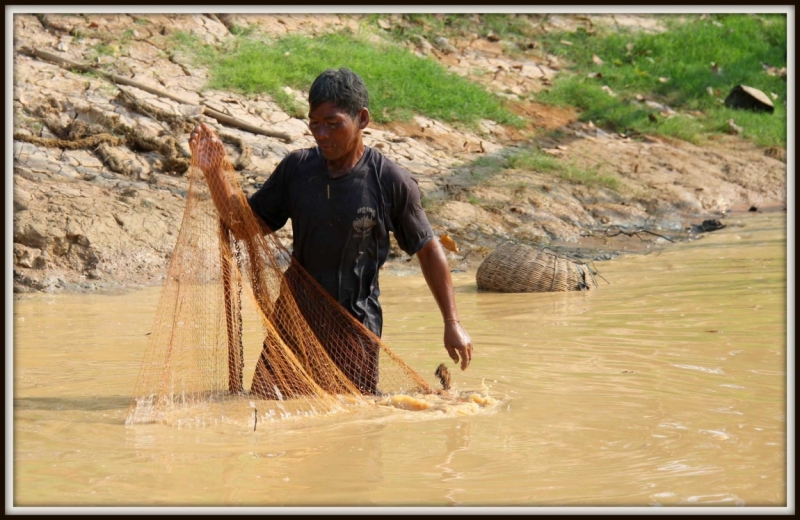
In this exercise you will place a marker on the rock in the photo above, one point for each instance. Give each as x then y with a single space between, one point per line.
733 128
749 98
23 256
21 198
41 262
706 226
657 106
444 45
774 71
33 234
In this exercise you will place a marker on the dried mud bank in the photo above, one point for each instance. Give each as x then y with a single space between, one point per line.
99 181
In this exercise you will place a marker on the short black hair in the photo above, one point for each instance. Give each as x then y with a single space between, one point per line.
342 87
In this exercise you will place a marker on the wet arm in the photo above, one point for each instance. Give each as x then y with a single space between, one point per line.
434 266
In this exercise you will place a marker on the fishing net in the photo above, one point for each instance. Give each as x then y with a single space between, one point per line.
516 267
307 356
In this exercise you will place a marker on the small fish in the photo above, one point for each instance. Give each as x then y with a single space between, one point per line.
448 243
444 376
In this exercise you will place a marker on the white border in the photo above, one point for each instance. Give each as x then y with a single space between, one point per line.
789 10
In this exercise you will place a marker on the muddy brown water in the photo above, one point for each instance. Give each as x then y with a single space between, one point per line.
666 386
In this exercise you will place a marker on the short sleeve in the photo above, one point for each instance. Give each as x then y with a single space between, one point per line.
409 221
270 201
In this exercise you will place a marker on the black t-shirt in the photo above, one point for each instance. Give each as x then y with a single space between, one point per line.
341 225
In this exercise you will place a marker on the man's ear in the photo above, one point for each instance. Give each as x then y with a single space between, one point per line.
363 118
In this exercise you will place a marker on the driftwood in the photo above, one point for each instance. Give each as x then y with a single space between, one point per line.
219 116
614 231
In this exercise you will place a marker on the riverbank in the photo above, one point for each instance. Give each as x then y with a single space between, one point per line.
105 214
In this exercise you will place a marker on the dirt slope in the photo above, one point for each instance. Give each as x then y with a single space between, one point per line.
98 176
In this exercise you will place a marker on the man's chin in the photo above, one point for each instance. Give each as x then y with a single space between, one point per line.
330 154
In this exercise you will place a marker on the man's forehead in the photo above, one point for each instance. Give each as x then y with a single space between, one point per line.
328 111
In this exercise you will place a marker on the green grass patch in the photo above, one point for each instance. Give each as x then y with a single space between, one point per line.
238 30
105 49
516 30
635 63
533 160
200 52
400 83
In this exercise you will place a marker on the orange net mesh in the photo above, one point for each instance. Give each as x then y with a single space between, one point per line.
307 354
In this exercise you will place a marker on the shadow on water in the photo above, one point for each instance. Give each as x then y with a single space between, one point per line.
89 403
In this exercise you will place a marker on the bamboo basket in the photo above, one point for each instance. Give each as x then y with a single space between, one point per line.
520 268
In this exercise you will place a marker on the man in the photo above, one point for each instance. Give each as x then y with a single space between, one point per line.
343 199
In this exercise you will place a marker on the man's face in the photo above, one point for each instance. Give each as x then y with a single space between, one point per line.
336 132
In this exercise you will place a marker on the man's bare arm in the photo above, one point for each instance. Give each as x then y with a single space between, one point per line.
434 266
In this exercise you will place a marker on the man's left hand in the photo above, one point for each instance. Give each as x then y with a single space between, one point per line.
458 343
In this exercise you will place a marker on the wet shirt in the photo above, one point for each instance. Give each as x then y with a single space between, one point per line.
341 225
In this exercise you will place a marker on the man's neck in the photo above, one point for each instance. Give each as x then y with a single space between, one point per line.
343 165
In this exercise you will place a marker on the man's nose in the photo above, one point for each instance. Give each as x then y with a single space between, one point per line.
320 132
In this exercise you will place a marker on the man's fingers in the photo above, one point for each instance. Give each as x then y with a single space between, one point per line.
201 131
466 357
453 353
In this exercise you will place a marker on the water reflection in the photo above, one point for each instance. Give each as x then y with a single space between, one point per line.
458 440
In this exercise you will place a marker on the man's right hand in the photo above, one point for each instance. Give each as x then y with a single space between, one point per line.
208 152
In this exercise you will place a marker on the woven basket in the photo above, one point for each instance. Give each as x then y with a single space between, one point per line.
520 268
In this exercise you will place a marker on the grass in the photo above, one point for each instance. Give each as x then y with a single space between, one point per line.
532 160
400 83
515 30
634 63
105 49
110 44
238 30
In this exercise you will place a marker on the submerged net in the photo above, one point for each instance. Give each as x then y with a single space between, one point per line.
308 355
